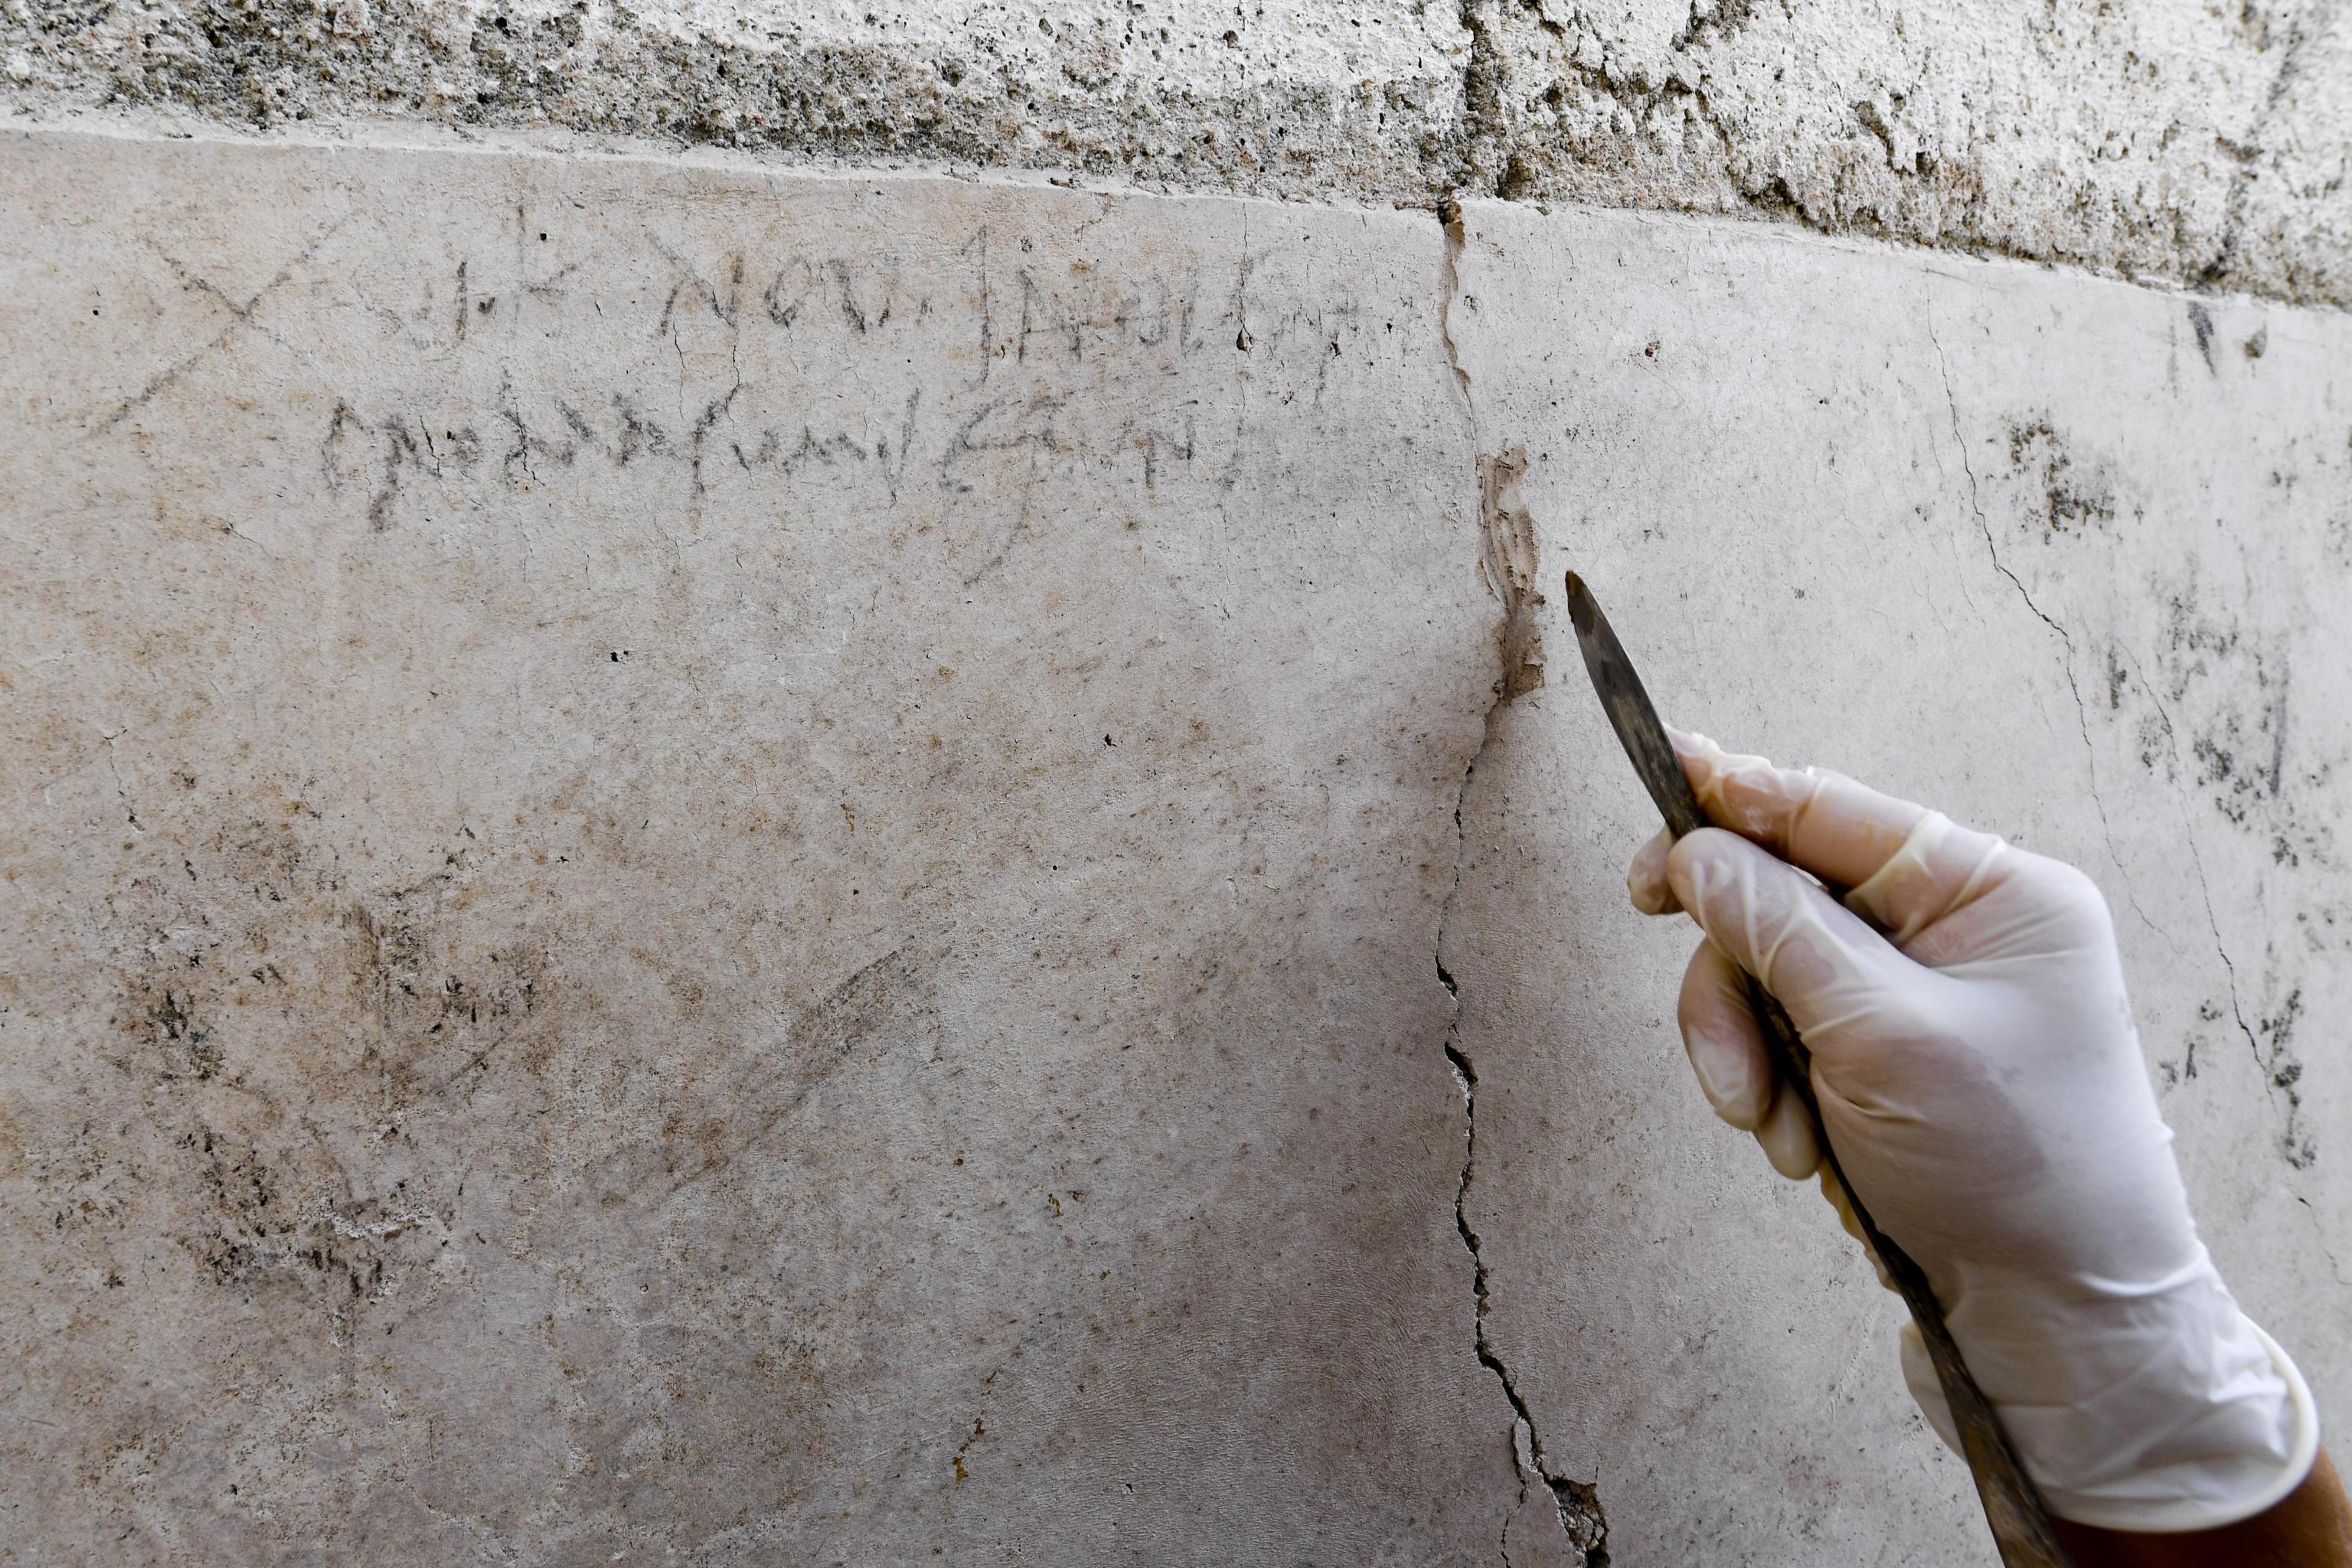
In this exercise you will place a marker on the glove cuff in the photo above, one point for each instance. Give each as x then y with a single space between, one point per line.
2239 1435
2203 1491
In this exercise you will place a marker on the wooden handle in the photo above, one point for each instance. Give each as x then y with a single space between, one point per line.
2020 1525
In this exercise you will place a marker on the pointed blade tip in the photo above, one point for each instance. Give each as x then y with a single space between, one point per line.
1581 609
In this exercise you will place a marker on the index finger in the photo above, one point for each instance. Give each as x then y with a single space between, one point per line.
1899 863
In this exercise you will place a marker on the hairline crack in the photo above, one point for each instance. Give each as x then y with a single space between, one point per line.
1576 1503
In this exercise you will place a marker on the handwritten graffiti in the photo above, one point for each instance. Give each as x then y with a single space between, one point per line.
987 367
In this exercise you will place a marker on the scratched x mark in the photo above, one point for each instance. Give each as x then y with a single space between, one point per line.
240 318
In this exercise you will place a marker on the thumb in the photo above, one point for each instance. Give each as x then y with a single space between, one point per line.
1825 965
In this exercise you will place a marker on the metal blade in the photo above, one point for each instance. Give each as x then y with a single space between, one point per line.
1631 714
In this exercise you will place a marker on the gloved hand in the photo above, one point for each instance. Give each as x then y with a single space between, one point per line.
1979 1077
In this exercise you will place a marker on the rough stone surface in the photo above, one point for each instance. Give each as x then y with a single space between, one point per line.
799 868
2182 140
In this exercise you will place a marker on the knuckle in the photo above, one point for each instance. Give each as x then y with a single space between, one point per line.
2067 888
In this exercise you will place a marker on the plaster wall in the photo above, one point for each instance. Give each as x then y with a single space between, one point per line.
733 866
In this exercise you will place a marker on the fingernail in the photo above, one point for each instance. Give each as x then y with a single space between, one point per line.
1690 743
1645 879
1787 1138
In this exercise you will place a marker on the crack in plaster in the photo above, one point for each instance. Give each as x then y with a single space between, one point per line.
1992 552
2271 1088
1508 564
1450 223
1577 1503
2319 1237
2265 1070
131 811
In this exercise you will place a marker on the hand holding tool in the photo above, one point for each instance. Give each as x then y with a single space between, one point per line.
1895 1001
2021 1526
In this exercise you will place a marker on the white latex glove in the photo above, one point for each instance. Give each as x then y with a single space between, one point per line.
1980 1079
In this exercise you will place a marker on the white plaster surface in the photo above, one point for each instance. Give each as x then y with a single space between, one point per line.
757 879
764 879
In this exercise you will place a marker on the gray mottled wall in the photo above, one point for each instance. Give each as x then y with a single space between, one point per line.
710 860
